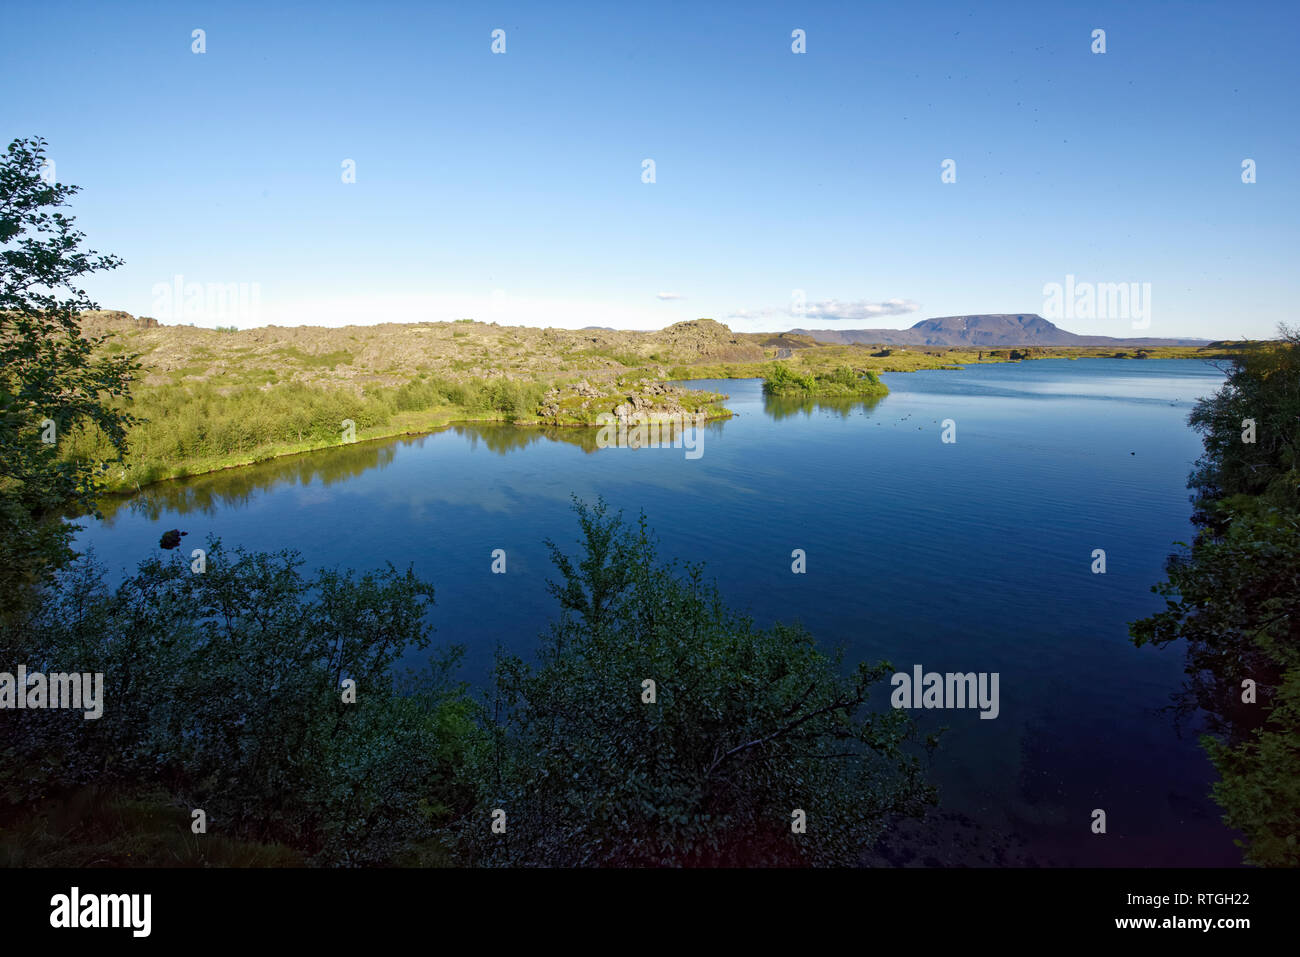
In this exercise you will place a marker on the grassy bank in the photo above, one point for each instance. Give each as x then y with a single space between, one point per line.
210 399
193 428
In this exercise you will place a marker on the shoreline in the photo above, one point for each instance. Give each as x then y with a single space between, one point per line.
406 430
385 436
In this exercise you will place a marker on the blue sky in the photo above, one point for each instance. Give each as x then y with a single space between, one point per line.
508 187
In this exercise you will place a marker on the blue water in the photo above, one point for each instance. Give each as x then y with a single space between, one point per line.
969 556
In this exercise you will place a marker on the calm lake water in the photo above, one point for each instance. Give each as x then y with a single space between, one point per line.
970 556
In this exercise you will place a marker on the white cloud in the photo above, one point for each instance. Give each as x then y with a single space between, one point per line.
852 311
831 310
669 295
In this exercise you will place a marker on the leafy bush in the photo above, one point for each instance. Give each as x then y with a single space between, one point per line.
1233 597
781 380
223 689
749 725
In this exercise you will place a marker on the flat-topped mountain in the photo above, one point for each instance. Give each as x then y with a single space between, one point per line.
991 331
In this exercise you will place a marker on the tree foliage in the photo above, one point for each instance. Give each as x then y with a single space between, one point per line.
224 690
49 373
748 725
1233 597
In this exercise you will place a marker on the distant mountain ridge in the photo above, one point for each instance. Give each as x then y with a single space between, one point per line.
993 331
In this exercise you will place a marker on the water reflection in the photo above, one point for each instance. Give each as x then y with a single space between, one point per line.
504 439
232 488
206 494
780 407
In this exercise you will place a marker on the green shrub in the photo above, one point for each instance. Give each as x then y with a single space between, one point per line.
1233 598
748 725
781 380
223 690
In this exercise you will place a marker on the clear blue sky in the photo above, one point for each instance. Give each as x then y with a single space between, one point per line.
509 187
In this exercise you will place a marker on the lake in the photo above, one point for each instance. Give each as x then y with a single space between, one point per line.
973 555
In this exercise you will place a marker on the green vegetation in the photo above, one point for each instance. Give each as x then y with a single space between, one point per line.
222 689
53 380
193 427
476 373
226 691
629 360
190 426
1233 597
328 360
842 381
746 725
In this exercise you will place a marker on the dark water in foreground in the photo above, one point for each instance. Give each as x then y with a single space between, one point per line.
973 556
